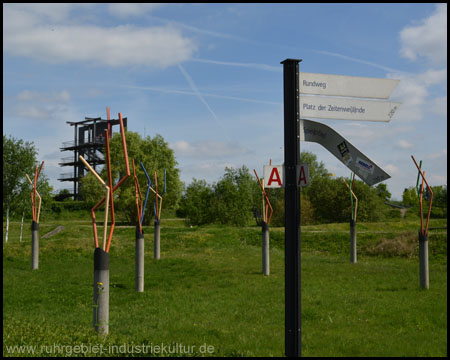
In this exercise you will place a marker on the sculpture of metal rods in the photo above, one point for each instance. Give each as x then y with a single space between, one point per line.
265 226
111 188
353 251
423 233
139 258
35 223
101 255
156 208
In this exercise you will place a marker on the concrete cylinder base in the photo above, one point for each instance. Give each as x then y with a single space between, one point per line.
101 291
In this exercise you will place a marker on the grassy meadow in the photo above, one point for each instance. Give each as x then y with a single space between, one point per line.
207 296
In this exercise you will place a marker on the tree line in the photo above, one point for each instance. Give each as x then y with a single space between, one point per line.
235 199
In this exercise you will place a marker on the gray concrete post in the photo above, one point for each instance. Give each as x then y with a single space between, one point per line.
101 291
34 245
265 249
423 261
139 261
353 252
157 239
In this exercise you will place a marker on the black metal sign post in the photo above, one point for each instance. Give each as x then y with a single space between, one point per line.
292 208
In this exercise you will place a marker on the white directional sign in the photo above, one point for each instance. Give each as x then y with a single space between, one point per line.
274 175
340 85
340 93
349 155
346 108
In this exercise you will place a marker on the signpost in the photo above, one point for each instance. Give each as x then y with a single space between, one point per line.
292 272
296 130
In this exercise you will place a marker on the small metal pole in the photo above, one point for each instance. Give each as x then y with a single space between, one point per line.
157 239
34 245
353 253
101 291
139 260
423 261
265 249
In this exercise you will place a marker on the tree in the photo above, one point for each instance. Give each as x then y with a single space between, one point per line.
156 155
330 199
316 169
383 192
195 203
19 158
235 197
409 197
231 200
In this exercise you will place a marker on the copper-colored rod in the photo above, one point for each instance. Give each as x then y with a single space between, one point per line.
421 205
259 181
111 198
40 168
265 195
127 166
39 196
105 226
94 225
431 198
34 193
108 126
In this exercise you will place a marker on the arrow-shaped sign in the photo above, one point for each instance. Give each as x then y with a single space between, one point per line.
349 155
341 85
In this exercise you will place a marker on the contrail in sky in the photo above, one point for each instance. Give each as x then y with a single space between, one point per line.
200 96
247 65
184 92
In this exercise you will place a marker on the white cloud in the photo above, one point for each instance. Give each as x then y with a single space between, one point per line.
32 32
439 106
132 9
32 112
42 105
391 169
27 95
413 92
428 39
403 144
441 155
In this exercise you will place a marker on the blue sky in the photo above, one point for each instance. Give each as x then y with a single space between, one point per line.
208 78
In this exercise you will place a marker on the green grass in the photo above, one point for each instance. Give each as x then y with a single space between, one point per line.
208 290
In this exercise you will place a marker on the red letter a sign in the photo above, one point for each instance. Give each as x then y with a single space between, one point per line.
302 175
273 176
